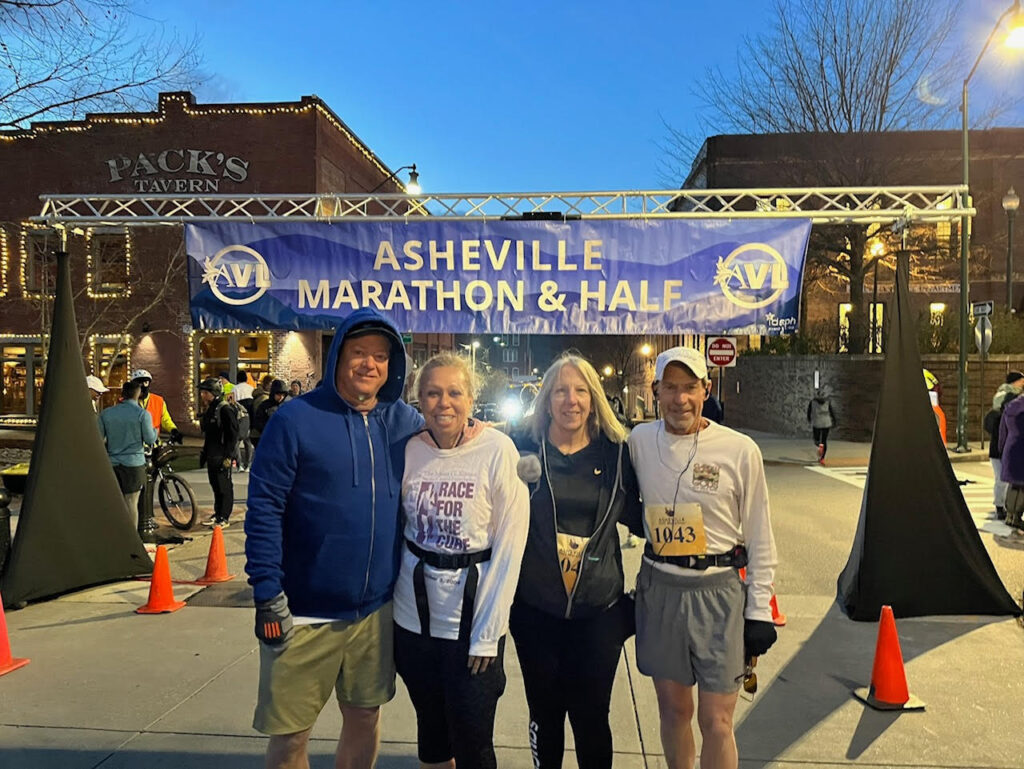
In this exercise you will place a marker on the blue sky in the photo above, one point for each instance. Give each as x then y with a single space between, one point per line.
487 96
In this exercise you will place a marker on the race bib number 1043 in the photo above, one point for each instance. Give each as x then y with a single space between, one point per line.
676 531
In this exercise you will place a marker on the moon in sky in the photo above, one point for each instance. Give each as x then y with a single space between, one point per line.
925 94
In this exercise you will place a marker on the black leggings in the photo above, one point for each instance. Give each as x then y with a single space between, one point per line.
454 710
568 668
821 439
223 491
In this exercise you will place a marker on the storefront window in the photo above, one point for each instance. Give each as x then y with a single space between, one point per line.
109 254
230 352
39 265
22 384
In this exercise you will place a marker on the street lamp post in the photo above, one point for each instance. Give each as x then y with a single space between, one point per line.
413 187
1010 205
1015 39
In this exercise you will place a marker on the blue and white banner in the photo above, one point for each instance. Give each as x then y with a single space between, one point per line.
576 277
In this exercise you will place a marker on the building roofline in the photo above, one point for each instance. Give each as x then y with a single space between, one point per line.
185 101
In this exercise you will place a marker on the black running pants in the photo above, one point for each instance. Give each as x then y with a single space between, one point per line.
568 669
454 709
821 439
223 491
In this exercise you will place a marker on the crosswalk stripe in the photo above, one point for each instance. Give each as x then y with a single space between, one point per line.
977 493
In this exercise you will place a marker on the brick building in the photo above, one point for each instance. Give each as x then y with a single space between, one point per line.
887 160
130 284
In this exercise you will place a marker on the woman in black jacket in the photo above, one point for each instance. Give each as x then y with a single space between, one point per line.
570 618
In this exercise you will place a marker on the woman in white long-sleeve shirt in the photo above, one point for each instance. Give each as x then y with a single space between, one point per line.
466 518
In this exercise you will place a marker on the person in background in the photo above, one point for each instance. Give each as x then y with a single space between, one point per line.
295 389
570 617
261 392
241 461
155 405
266 409
713 409
1011 452
219 424
127 429
322 541
822 418
226 385
1005 393
243 395
466 515
96 389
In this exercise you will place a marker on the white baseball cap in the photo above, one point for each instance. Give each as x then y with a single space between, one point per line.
96 384
692 359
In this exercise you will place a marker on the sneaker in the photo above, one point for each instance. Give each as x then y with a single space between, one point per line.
211 521
631 541
223 524
999 514
821 451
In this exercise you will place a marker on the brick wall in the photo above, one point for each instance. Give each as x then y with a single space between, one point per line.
770 393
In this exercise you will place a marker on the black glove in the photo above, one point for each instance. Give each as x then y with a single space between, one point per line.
274 622
176 436
202 458
758 637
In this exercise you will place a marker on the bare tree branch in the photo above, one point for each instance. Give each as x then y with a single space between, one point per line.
841 71
62 58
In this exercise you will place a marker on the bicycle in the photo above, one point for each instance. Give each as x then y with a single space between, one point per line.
174 493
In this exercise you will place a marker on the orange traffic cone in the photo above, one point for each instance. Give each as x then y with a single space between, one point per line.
161 594
7 662
216 561
777 616
888 678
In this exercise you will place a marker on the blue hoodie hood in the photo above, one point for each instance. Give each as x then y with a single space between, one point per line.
363 320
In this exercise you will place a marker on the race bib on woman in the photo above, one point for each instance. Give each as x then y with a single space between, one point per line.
570 553
676 530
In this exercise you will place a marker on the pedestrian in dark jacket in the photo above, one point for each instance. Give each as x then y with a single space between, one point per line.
277 395
220 444
1005 393
570 617
822 419
1011 449
713 409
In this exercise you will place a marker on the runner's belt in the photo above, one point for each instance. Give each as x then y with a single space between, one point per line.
450 562
737 558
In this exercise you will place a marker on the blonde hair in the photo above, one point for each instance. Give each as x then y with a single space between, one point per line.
448 360
601 418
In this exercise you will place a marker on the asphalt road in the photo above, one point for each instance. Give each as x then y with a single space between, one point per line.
815 518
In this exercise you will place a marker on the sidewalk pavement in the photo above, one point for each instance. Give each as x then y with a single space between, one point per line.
110 688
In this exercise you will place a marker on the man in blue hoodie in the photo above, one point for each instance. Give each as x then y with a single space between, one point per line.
322 545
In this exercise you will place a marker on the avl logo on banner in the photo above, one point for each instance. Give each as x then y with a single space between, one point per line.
586 277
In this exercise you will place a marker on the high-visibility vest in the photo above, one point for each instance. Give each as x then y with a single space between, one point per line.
155 407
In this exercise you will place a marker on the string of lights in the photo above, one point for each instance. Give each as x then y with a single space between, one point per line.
187 105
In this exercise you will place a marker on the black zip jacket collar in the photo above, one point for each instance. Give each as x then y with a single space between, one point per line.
600 580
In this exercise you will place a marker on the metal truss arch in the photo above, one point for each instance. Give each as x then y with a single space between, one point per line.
820 205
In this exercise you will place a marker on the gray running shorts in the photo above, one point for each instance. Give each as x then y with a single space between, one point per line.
689 628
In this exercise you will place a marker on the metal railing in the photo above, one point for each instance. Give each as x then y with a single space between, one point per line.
824 205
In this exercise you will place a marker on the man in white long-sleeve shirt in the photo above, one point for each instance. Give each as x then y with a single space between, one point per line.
705 515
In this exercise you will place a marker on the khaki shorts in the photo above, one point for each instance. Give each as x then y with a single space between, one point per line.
355 658
689 628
